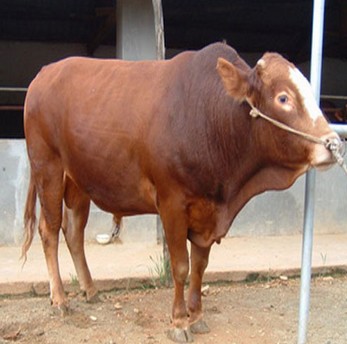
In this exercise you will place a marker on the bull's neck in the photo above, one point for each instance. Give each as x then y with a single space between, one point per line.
239 159
233 148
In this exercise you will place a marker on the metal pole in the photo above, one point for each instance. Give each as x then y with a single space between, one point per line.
13 89
340 129
306 262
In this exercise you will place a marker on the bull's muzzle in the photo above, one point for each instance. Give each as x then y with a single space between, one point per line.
328 154
334 144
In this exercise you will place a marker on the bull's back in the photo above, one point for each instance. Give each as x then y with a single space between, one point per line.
96 115
93 90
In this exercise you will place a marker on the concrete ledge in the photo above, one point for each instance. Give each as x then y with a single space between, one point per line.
118 266
42 288
269 214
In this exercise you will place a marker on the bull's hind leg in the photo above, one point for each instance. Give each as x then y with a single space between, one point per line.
75 219
49 183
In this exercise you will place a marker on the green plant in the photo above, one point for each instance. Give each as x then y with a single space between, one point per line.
324 261
74 280
161 271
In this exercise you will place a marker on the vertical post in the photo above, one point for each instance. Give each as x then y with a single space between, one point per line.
159 29
160 55
306 258
306 262
160 44
136 38
140 36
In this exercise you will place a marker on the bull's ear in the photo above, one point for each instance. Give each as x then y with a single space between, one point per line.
235 80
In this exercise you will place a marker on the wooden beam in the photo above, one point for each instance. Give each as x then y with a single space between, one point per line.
159 29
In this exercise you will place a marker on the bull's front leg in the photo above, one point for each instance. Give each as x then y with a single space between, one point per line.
175 226
180 331
199 260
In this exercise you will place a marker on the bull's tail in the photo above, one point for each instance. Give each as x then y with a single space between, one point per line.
29 218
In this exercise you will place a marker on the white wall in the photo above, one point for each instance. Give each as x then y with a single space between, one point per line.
273 213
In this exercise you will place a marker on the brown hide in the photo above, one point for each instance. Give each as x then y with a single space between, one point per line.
170 137
131 133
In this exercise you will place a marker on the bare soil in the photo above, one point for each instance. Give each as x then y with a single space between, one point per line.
240 313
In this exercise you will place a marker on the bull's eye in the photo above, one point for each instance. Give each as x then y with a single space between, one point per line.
283 98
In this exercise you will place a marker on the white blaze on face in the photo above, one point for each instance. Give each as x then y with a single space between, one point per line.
306 93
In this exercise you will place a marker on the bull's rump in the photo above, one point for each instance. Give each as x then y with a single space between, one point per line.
98 117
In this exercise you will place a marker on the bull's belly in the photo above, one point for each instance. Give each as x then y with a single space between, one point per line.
119 192
123 203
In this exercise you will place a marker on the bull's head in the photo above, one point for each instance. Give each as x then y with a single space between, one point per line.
278 89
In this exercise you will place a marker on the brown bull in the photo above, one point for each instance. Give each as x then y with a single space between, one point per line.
173 138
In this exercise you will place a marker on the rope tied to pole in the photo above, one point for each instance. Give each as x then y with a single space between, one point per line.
334 149
333 146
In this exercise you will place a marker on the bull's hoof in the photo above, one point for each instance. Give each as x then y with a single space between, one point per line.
65 310
199 327
180 335
61 310
94 298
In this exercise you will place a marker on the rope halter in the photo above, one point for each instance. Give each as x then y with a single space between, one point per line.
331 145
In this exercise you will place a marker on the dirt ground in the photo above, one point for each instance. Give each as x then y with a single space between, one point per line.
240 313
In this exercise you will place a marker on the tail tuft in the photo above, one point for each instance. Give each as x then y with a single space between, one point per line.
29 219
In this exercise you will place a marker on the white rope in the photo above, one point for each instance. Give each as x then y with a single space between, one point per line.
257 113
332 146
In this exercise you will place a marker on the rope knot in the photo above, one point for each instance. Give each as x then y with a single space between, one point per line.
254 113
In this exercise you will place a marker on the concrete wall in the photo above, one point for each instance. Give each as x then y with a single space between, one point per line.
13 185
14 180
281 213
273 213
136 38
